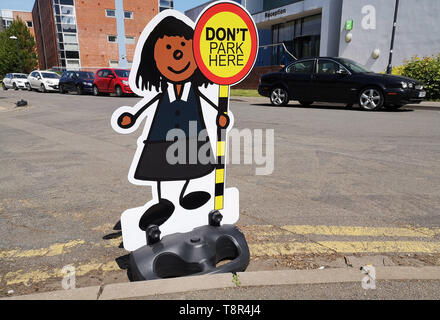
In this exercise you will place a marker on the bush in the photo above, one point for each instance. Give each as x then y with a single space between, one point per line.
398 70
9 61
426 70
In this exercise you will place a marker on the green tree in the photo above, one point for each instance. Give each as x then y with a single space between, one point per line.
9 60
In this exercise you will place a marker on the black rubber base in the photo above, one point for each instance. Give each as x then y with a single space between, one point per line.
193 253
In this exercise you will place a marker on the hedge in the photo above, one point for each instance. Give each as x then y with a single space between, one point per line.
426 70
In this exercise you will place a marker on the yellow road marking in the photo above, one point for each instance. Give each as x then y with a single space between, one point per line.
289 248
361 231
53 250
20 276
273 249
255 230
382 246
270 249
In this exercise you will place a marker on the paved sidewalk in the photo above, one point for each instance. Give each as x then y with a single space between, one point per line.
346 283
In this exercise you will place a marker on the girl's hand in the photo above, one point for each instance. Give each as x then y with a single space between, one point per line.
126 120
223 120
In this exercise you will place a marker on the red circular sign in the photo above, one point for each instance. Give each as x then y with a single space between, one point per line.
201 23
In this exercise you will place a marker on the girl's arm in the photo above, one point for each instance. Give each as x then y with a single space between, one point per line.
127 120
201 95
222 118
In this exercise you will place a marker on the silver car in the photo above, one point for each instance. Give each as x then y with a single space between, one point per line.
15 81
43 81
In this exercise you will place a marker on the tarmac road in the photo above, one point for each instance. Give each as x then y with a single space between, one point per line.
345 182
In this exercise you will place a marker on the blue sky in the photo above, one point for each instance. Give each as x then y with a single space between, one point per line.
27 5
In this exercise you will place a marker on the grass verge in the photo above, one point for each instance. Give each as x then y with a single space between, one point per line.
244 93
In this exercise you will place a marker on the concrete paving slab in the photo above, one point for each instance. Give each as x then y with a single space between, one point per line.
164 286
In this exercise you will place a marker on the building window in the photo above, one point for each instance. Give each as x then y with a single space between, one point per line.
130 40
29 24
301 37
70 46
68 19
66 10
67 2
111 38
72 64
6 23
128 14
70 38
165 4
110 13
113 63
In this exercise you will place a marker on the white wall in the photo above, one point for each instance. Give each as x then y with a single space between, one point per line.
418 31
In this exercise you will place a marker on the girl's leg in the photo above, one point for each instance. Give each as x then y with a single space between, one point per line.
194 199
158 213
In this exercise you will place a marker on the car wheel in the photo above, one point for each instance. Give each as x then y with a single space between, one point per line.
279 97
14 86
28 86
4 87
118 91
95 91
61 89
79 90
43 88
305 103
371 98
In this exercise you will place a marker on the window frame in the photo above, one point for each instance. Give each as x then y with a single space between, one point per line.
331 60
131 16
302 61
106 13
112 35
131 37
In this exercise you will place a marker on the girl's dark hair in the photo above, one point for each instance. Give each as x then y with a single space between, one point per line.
147 69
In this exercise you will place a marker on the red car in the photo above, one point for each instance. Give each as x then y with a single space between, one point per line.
111 81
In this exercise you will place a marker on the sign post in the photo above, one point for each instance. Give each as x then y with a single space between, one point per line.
225 49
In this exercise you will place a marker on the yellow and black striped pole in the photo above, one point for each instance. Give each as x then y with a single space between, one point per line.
222 124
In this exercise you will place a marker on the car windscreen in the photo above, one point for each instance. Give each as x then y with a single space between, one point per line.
354 66
19 76
85 75
122 73
50 75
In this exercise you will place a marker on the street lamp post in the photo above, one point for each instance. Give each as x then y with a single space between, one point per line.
18 51
390 60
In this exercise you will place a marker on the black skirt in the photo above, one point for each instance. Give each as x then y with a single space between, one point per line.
154 166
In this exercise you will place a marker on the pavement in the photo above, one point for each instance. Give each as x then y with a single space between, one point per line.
348 188
338 283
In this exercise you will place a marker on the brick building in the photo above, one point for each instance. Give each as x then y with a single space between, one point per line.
85 33
7 16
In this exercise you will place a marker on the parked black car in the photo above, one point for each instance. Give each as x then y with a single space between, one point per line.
79 81
338 80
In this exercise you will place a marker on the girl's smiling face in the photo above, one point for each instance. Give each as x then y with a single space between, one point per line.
174 58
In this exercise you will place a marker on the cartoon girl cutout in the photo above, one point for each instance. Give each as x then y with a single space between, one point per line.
167 67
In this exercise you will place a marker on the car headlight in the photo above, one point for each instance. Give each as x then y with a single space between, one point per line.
125 82
404 85
87 83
